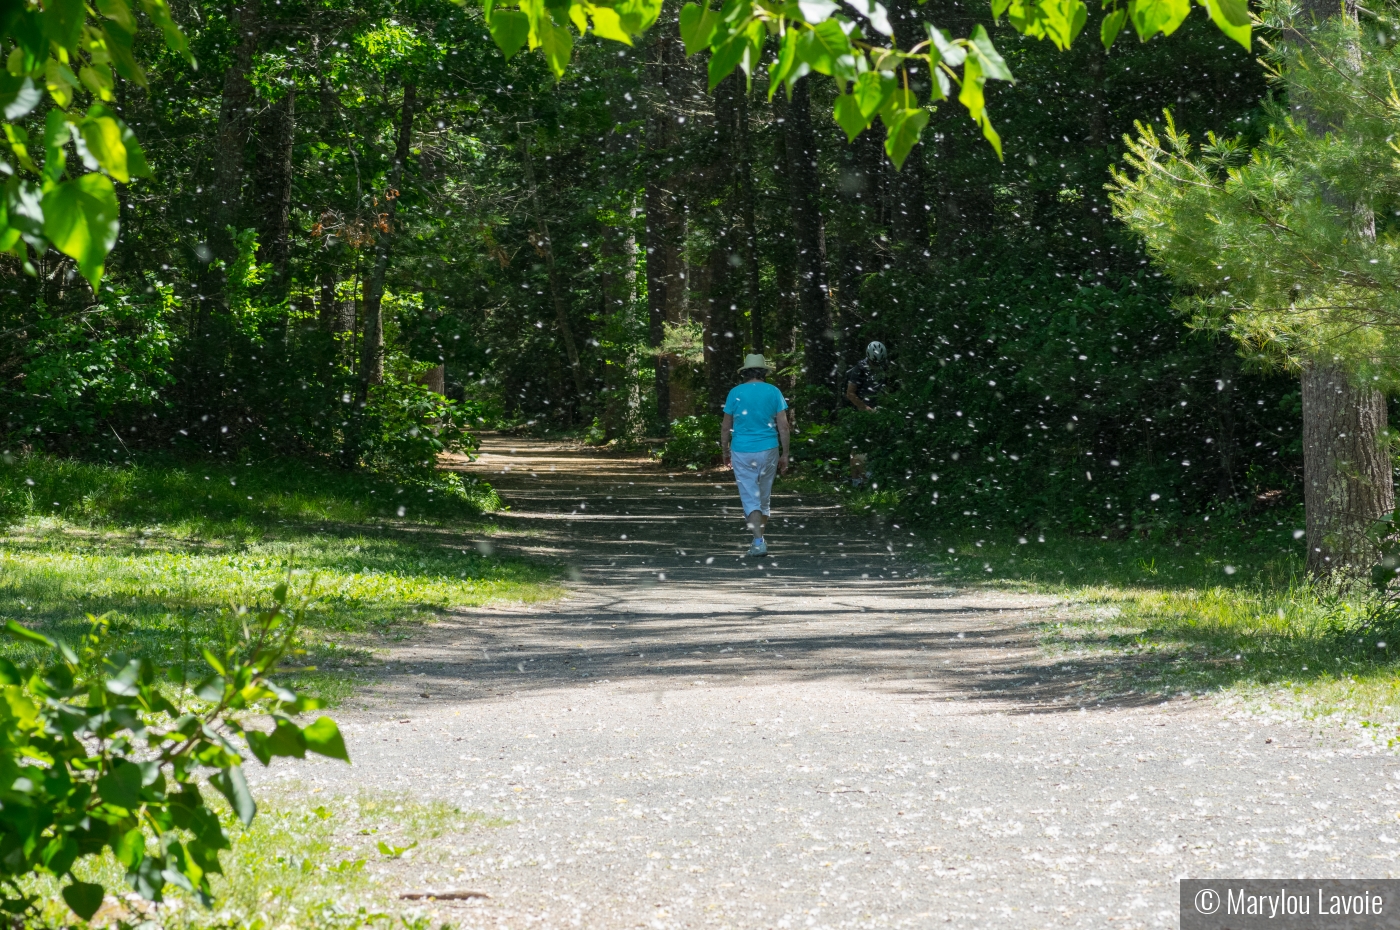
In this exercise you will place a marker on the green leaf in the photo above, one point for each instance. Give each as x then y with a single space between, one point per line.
903 135
84 898
394 852
121 787
827 49
872 90
972 96
511 30
849 118
130 847
81 220
232 784
725 59
63 22
787 68
98 80
993 65
119 12
118 42
998 8
608 25
1226 14
60 81
697 27
323 738
1112 25
159 12
1150 17
24 633
948 52
558 45
18 95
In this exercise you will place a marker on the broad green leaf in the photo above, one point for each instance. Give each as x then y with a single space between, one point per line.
24 205
787 68
18 95
510 29
103 137
608 25
725 59
697 27
849 117
1063 20
756 34
56 137
323 738
558 45
1112 25
60 854
121 787
1150 17
903 134
993 65
232 784
287 740
118 43
998 8
577 14
118 11
81 220
948 51
972 96
871 91
63 22
1224 14
24 633
60 81
98 80
827 49
83 897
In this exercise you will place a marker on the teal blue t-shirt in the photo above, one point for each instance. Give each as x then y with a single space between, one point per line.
754 405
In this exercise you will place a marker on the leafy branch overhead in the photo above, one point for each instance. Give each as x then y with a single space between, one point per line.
61 48
856 47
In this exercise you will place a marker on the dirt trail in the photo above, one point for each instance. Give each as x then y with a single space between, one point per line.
823 738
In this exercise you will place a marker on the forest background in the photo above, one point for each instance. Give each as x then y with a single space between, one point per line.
355 209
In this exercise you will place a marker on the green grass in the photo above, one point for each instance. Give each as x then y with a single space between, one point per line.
1144 619
309 864
163 549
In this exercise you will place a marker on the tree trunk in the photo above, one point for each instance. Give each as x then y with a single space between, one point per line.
372 348
546 245
274 175
1347 474
231 136
659 204
745 194
1346 471
804 189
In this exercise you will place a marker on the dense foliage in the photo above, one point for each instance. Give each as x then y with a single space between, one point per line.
96 757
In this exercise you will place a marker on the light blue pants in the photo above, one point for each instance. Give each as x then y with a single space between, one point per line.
753 473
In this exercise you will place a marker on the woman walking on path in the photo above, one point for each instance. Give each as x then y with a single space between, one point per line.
756 414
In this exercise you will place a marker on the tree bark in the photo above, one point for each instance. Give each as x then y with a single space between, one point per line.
231 136
275 171
659 204
745 194
1347 474
372 347
546 245
1346 471
804 188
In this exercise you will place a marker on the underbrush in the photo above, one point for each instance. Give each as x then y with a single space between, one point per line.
308 862
162 548
1143 619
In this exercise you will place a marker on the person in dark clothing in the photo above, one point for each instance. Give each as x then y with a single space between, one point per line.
865 382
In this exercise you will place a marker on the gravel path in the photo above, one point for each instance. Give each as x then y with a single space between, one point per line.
820 739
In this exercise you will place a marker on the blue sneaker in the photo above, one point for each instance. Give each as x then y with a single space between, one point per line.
759 548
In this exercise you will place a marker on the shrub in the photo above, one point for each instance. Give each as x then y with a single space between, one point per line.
694 442
94 757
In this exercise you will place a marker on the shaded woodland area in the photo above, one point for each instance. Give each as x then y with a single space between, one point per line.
357 210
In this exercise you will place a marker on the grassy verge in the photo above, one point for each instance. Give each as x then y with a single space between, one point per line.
337 864
163 548
1152 619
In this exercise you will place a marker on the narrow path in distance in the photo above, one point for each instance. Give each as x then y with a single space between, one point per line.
824 738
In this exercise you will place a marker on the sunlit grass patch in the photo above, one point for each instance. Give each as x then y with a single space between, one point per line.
320 862
1157 620
139 545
